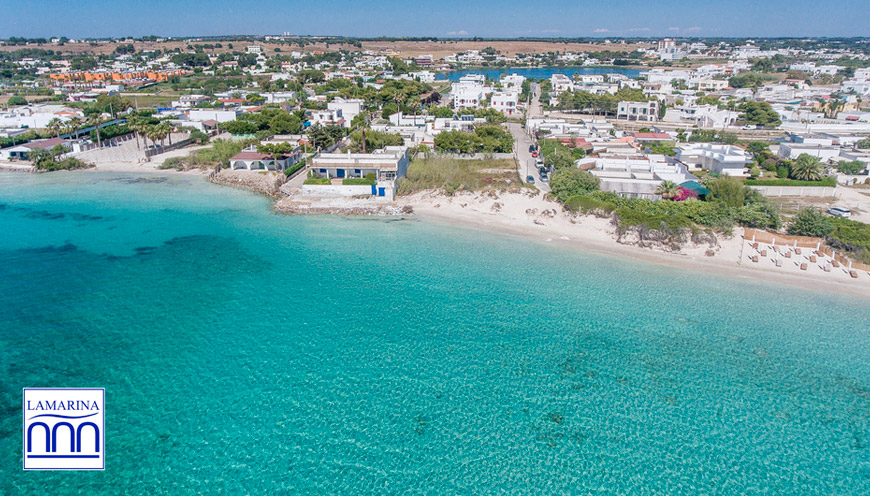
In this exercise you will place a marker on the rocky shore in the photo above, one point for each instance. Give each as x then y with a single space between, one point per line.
340 206
265 183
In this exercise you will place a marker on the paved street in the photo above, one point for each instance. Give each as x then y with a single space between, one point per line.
524 157
525 160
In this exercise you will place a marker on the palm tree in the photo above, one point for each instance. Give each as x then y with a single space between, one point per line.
95 120
807 168
166 130
668 190
55 125
75 123
133 125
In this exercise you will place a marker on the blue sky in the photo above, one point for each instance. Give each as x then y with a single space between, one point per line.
444 18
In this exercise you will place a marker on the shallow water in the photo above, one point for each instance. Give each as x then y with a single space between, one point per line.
244 352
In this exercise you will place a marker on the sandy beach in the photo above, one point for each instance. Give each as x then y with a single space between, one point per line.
541 220
531 216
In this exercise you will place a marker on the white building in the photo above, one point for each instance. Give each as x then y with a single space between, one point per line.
348 109
187 101
505 102
561 83
825 153
724 159
469 92
638 111
423 76
387 164
328 117
513 82
636 176
703 116
202 115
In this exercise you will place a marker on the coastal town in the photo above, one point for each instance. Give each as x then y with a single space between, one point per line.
754 152
471 248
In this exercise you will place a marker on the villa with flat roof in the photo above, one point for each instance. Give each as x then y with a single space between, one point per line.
387 165
728 160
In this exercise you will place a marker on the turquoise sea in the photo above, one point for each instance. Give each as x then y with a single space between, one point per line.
245 352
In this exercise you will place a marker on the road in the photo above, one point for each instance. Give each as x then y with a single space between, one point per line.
525 160
535 105
522 141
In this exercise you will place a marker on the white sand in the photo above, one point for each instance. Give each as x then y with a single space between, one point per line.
535 218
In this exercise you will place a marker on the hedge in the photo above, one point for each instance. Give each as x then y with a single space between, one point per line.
292 170
358 181
829 181
318 180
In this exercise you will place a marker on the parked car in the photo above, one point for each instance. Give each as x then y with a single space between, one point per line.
544 177
530 179
840 212
535 153
531 148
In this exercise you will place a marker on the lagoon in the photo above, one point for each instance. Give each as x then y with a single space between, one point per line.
246 352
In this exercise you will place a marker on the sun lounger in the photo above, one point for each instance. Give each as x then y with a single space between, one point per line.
854 274
797 251
788 254
804 266
813 258
835 263
755 246
754 258
827 267
779 262
763 253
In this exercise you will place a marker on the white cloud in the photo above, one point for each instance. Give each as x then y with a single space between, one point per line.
458 33
635 30
693 29
601 30
550 31
673 29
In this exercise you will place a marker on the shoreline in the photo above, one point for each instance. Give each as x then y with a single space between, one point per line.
589 233
657 257
535 219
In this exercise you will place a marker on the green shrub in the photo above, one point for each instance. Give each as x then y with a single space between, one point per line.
853 167
811 222
292 169
782 172
318 180
176 163
586 204
630 218
568 182
851 236
357 181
